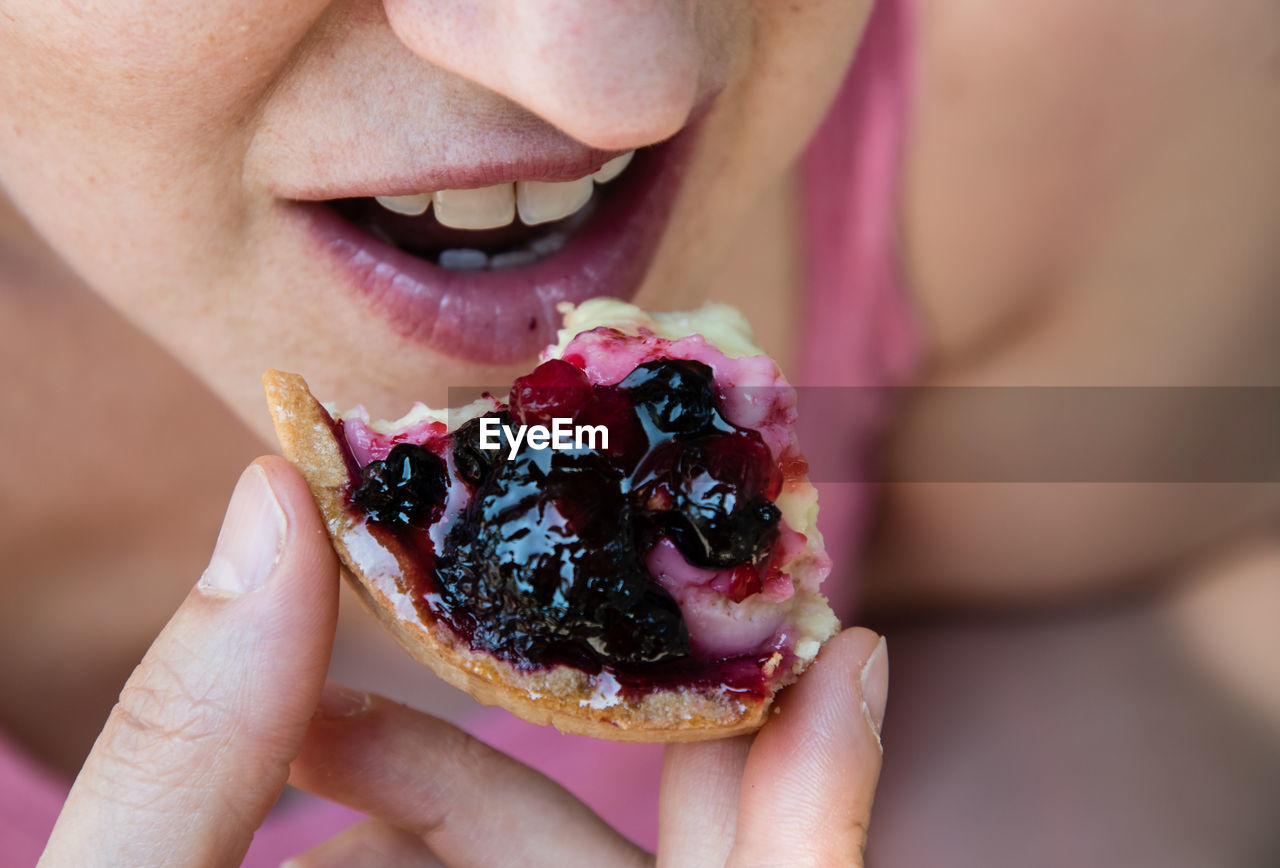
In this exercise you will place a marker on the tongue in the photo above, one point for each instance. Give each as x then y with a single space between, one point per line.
425 236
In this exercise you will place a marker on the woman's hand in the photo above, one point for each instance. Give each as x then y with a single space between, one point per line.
198 748
798 793
230 702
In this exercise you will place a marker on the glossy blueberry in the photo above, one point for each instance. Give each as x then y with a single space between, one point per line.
404 488
473 463
677 394
708 497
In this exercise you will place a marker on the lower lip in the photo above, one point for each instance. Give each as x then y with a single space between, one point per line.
505 316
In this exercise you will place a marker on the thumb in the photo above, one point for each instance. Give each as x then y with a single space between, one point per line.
198 747
811 775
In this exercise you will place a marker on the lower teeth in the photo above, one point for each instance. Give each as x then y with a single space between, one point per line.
470 259
548 244
513 259
464 259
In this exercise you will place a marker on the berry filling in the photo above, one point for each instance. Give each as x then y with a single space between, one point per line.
405 488
656 552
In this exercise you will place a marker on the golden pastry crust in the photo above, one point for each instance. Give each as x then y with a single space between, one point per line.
564 697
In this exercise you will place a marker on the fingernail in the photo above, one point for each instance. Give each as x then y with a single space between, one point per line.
251 538
874 680
338 701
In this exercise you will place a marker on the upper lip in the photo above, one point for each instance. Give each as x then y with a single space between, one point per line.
418 137
567 161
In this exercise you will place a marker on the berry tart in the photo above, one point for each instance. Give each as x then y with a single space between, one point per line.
624 548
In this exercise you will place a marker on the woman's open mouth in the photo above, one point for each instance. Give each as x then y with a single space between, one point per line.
476 272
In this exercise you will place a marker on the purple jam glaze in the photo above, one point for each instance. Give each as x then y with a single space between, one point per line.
545 562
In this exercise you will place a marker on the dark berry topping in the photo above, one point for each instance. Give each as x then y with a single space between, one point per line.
546 562
708 496
678 395
472 462
628 441
531 574
553 389
405 488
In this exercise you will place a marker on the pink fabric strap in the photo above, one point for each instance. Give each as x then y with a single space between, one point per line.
861 331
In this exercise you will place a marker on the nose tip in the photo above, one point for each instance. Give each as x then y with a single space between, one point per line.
614 110
613 74
612 81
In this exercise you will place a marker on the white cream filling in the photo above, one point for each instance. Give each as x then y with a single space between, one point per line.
724 327
419 414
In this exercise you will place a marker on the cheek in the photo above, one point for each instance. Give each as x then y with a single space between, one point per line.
800 55
151 61
792 61
797 60
125 121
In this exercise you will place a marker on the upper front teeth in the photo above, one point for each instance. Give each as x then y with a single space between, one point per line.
613 168
410 205
478 208
492 207
544 201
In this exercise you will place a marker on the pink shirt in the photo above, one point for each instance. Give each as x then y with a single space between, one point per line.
860 333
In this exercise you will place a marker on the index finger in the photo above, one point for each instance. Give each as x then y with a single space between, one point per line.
197 749
471 804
